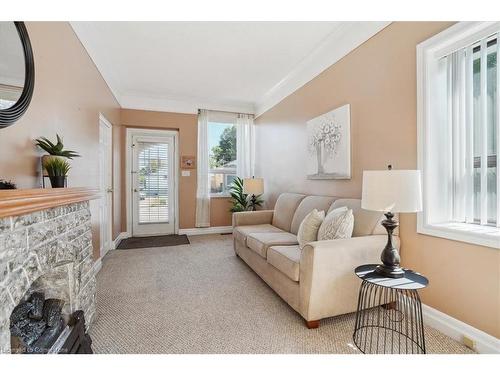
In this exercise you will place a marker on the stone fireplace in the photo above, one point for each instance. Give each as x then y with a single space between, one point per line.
46 251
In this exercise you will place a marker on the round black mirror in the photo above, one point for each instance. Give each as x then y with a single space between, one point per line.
17 72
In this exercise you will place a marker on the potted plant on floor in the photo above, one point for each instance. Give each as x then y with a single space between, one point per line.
55 151
57 170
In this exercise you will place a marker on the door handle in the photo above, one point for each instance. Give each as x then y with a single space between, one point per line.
109 190
136 191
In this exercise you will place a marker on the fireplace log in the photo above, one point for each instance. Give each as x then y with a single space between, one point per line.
47 339
52 311
37 299
20 312
28 330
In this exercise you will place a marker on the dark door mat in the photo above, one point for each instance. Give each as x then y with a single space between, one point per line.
153 241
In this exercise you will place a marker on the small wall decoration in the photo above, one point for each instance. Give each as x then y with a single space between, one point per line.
329 145
188 162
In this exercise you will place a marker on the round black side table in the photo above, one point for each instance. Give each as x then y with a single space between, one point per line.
389 314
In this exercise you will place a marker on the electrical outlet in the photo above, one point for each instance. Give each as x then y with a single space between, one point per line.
468 342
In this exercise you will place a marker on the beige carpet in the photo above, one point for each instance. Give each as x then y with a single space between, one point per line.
201 298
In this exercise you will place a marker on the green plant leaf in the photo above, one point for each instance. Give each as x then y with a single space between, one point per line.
238 198
55 149
56 167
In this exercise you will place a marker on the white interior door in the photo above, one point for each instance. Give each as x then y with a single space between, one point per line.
105 185
153 185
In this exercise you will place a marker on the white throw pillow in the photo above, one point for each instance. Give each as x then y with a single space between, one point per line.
308 229
337 224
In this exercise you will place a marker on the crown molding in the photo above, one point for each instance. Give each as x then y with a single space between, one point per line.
345 38
179 104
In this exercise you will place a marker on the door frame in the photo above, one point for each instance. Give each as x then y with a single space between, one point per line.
103 247
130 132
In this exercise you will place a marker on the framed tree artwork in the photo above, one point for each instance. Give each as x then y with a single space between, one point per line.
329 145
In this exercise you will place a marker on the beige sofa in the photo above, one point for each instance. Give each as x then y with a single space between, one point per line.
319 281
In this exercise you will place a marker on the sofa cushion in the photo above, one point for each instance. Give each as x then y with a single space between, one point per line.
308 229
260 242
284 210
364 221
338 224
308 204
286 259
240 233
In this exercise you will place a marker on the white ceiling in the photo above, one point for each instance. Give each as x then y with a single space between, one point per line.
232 66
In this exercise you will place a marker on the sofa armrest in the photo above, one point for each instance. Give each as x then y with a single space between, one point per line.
252 217
328 285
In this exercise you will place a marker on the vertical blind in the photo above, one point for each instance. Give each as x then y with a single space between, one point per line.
473 118
153 182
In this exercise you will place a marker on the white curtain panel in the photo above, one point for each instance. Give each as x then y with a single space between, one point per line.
245 146
203 185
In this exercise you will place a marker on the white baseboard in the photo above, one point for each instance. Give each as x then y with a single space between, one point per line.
451 327
97 266
210 230
119 238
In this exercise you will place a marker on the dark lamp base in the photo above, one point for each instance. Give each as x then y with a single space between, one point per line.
390 257
394 272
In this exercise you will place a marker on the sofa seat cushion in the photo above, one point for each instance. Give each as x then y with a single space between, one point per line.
241 232
286 259
260 242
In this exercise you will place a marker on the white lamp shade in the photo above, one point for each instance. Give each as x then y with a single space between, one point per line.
392 191
253 186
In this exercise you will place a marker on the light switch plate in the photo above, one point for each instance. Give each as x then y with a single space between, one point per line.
186 173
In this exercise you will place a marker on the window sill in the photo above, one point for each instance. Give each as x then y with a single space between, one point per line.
222 195
470 233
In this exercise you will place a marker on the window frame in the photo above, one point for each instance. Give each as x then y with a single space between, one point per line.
435 218
225 173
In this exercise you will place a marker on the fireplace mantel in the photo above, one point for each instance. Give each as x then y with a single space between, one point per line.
24 201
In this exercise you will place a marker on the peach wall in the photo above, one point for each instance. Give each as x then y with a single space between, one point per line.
378 80
68 96
187 125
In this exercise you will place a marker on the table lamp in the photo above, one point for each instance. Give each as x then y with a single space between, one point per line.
253 186
391 191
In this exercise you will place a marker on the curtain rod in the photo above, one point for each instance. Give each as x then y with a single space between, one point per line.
236 113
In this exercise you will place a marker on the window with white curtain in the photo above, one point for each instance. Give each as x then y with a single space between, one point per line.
458 133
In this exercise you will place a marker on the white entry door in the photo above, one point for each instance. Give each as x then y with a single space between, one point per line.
153 185
105 185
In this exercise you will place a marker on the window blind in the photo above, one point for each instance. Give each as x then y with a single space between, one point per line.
473 119
153 182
